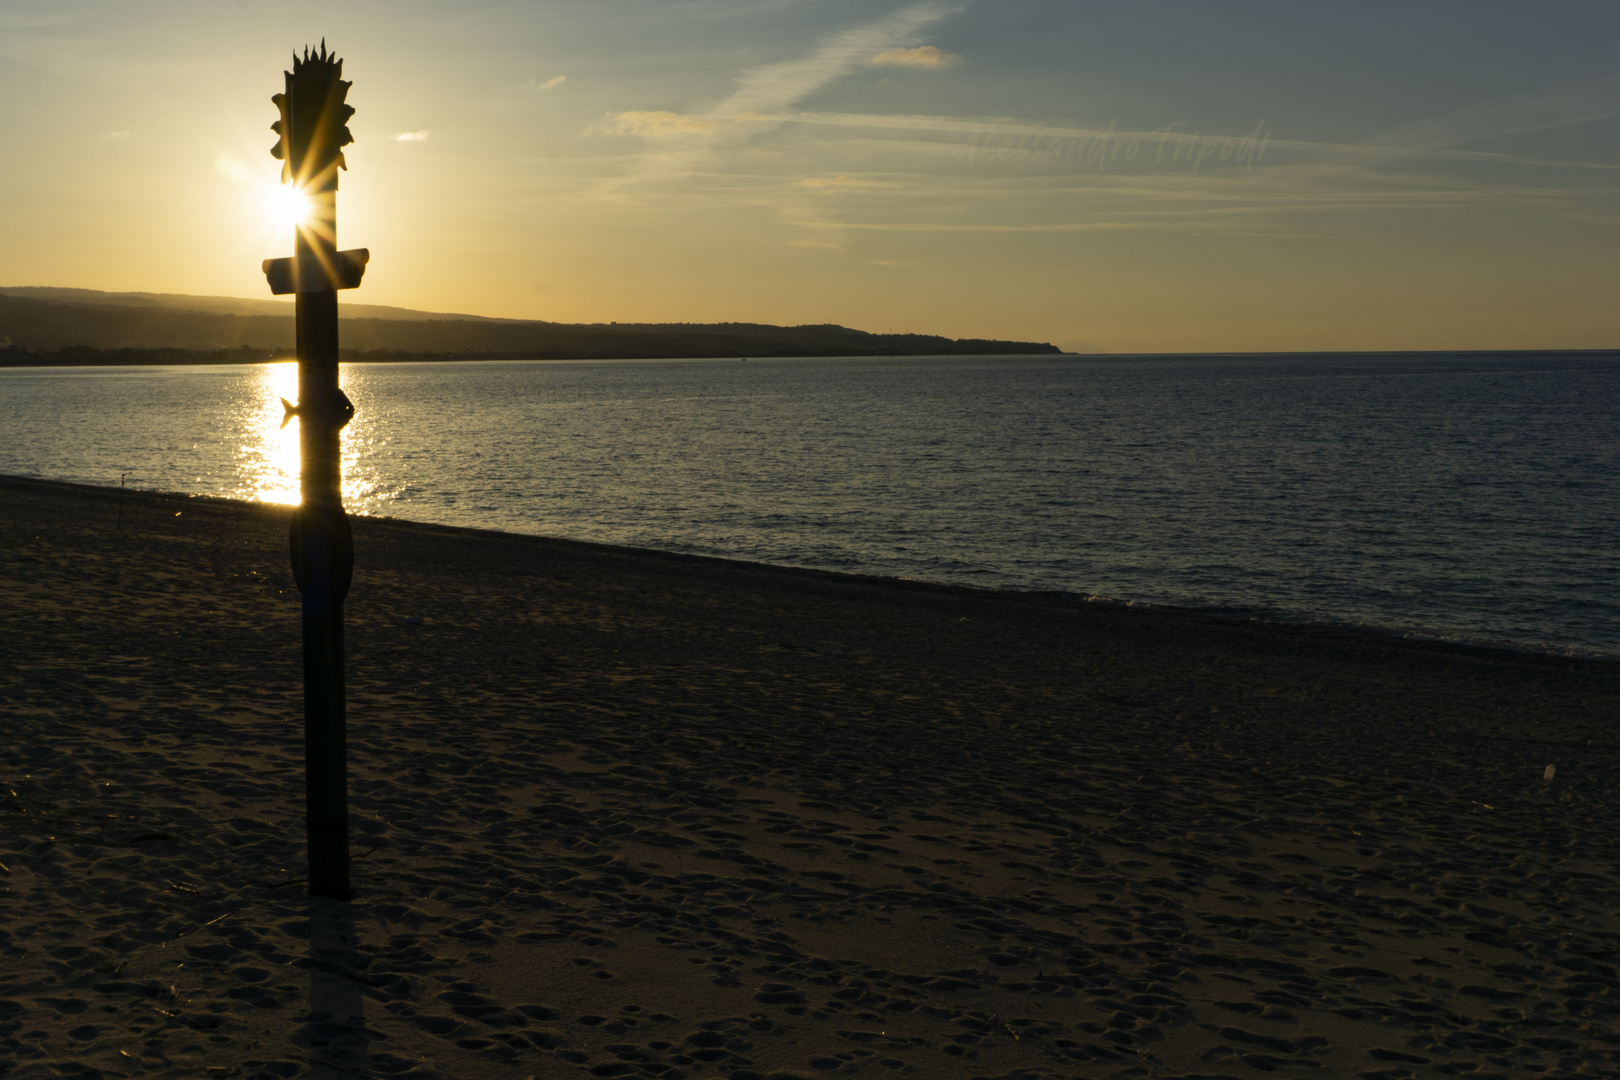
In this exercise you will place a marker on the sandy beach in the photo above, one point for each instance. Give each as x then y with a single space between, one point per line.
623 813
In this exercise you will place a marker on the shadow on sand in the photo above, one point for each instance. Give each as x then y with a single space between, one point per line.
334 1031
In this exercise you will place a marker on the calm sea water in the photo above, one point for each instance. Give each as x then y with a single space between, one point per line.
1457 496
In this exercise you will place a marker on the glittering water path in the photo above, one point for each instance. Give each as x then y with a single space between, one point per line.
1462 496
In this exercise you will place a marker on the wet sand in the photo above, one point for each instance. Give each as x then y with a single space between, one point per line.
621 813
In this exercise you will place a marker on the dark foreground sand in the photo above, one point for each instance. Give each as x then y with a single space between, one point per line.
630 814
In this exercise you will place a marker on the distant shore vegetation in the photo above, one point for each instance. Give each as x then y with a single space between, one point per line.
124 329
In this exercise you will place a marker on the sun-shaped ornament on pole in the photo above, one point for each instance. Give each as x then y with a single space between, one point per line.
313 130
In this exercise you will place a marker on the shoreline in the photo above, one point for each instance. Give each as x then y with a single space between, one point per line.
619 812
159 357
520 358
1246 616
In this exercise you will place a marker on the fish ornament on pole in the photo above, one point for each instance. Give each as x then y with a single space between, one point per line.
314 129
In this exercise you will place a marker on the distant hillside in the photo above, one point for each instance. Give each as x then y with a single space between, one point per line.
77 326
223 305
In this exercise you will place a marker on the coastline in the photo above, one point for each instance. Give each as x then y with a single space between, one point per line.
1242 615
620 807
1263 622
85 356
174 358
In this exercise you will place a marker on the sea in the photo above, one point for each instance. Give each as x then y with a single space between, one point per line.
1466 497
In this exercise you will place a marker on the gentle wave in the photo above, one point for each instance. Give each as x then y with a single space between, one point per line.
1464 498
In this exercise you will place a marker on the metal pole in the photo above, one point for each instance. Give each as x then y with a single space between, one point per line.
322 542
322 533
313 134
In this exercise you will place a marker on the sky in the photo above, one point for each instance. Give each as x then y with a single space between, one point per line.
1128 176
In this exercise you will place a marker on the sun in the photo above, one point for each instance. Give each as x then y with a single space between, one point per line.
287 206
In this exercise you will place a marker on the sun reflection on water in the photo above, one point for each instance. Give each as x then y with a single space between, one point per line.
267 459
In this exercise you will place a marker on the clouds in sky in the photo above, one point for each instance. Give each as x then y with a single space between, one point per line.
657 122
777 86
923 56
839 181
1562 105
823 176
761 94
1101 150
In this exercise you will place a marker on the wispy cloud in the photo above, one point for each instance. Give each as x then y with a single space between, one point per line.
761 93
658 123
923 56
1534 110
777 86
549 84
412 136
1042 227
1298 200
897 180
836 182
1160 143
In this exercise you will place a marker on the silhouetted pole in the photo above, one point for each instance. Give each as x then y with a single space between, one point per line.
313 133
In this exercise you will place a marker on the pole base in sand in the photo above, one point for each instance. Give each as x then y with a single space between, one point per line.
326 756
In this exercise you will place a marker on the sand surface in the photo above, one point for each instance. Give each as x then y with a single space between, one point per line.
620 813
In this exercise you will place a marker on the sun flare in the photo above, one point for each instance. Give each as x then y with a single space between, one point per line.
288 207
